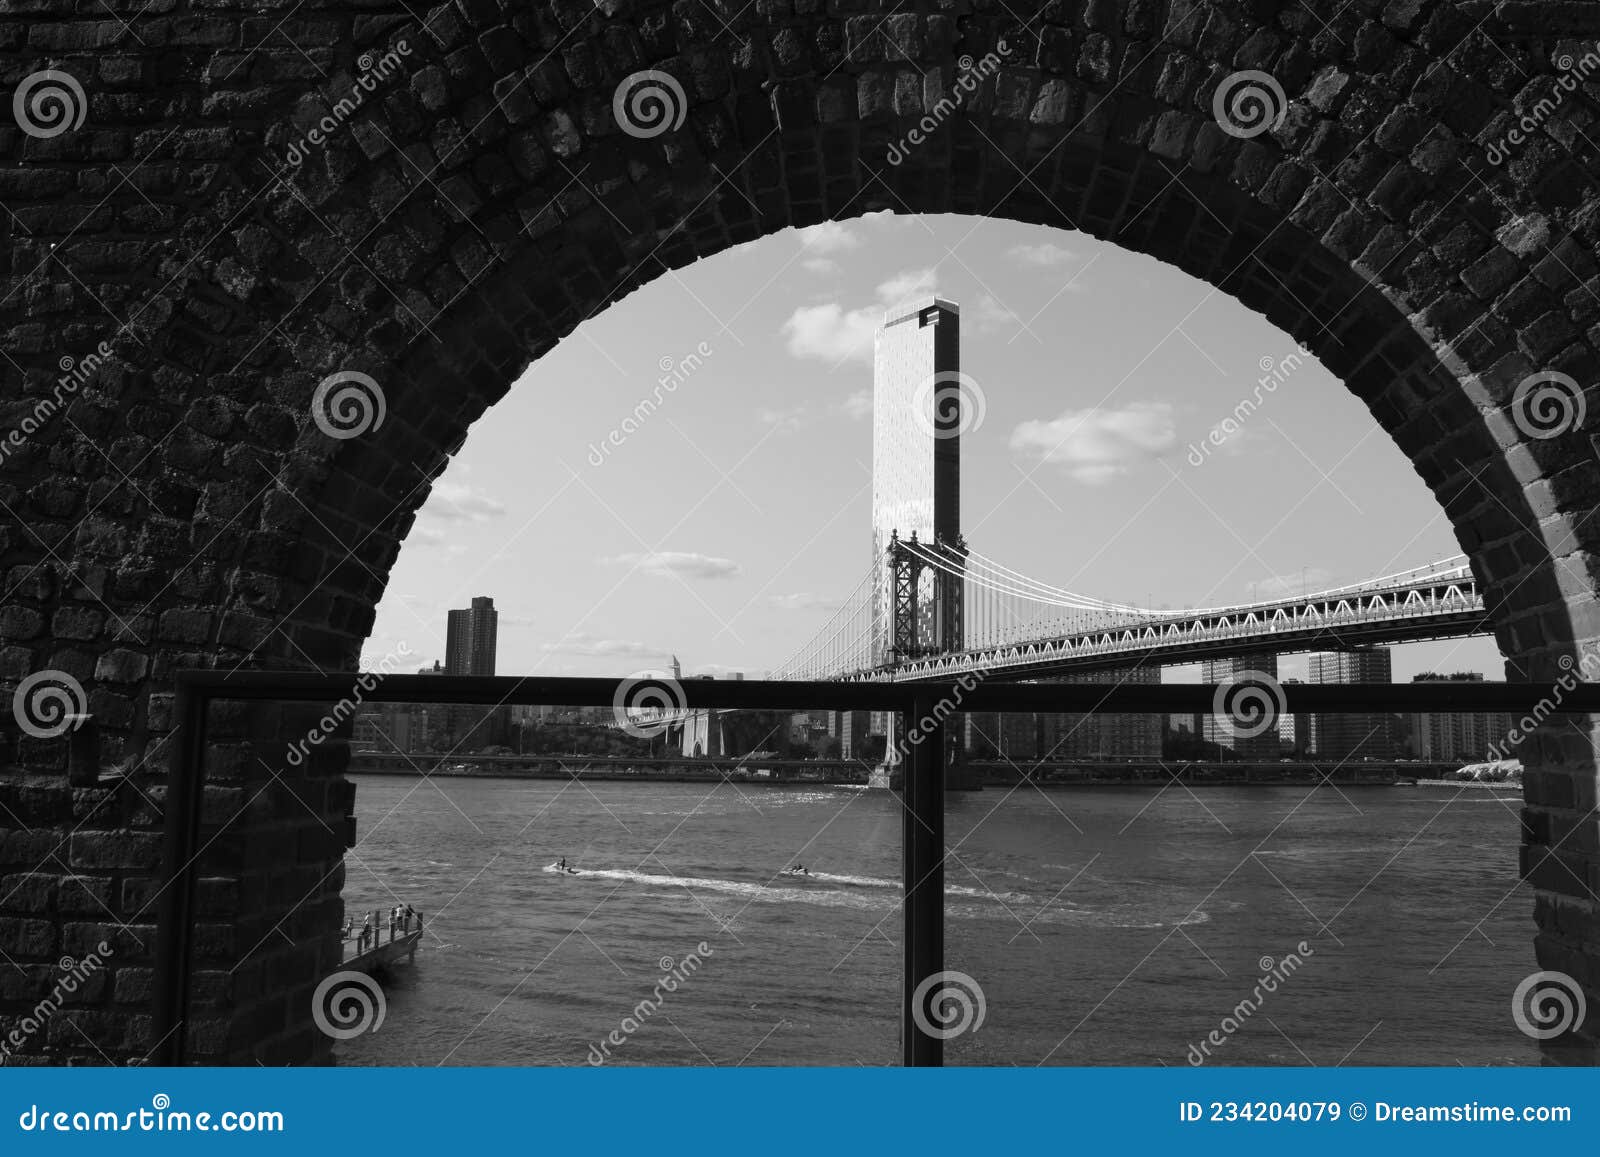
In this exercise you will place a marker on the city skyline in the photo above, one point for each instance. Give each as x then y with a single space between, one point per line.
741 565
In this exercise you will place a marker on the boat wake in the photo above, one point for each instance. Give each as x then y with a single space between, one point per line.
853 881
841 890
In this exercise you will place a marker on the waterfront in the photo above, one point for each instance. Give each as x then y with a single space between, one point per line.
1105 926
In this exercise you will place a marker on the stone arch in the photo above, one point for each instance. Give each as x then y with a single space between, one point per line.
480 200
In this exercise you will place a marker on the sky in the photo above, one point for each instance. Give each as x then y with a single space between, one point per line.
727 523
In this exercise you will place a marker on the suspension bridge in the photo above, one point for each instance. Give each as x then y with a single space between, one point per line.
930 608
937 611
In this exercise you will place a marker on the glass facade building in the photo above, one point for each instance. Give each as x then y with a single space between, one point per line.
916 446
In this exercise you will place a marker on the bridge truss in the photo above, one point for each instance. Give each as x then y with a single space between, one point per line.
953 611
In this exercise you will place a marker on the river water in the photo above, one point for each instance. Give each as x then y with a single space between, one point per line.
1097 925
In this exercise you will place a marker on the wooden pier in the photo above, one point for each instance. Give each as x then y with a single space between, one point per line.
365 949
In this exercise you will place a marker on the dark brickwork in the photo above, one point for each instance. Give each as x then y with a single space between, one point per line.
181 509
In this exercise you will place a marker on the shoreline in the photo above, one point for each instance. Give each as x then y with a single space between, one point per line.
1142 778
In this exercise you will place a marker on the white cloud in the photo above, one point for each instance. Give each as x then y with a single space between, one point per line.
1277 586
578 643
820 265
684 564
426 537
783 421
832 333
458 502
990 315
904 286
1096 445
804 601
858 405
1046 253
830 237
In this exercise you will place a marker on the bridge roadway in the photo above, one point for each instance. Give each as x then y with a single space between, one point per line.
1442 606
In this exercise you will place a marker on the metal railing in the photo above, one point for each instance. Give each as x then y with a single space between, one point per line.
921 708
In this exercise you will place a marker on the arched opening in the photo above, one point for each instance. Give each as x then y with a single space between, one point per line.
451 237
1012 898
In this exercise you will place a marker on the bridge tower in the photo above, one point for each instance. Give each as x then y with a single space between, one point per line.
918 414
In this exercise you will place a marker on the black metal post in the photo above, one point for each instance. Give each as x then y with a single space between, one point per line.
922 856
176 919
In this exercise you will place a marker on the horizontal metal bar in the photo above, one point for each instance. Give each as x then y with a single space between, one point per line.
971 694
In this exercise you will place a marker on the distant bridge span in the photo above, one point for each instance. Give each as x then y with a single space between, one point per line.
1442 606
1014 627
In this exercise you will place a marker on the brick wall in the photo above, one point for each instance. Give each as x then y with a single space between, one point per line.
180 507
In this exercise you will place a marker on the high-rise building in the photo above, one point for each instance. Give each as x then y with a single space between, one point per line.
386 729
916 451
1446 736
1363 735
1102 735
1294 731
470 638
1222 731
850 729
469 649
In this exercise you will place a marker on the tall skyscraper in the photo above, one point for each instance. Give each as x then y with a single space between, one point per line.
1219 730
470 638
469 649
916 449
1346 736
